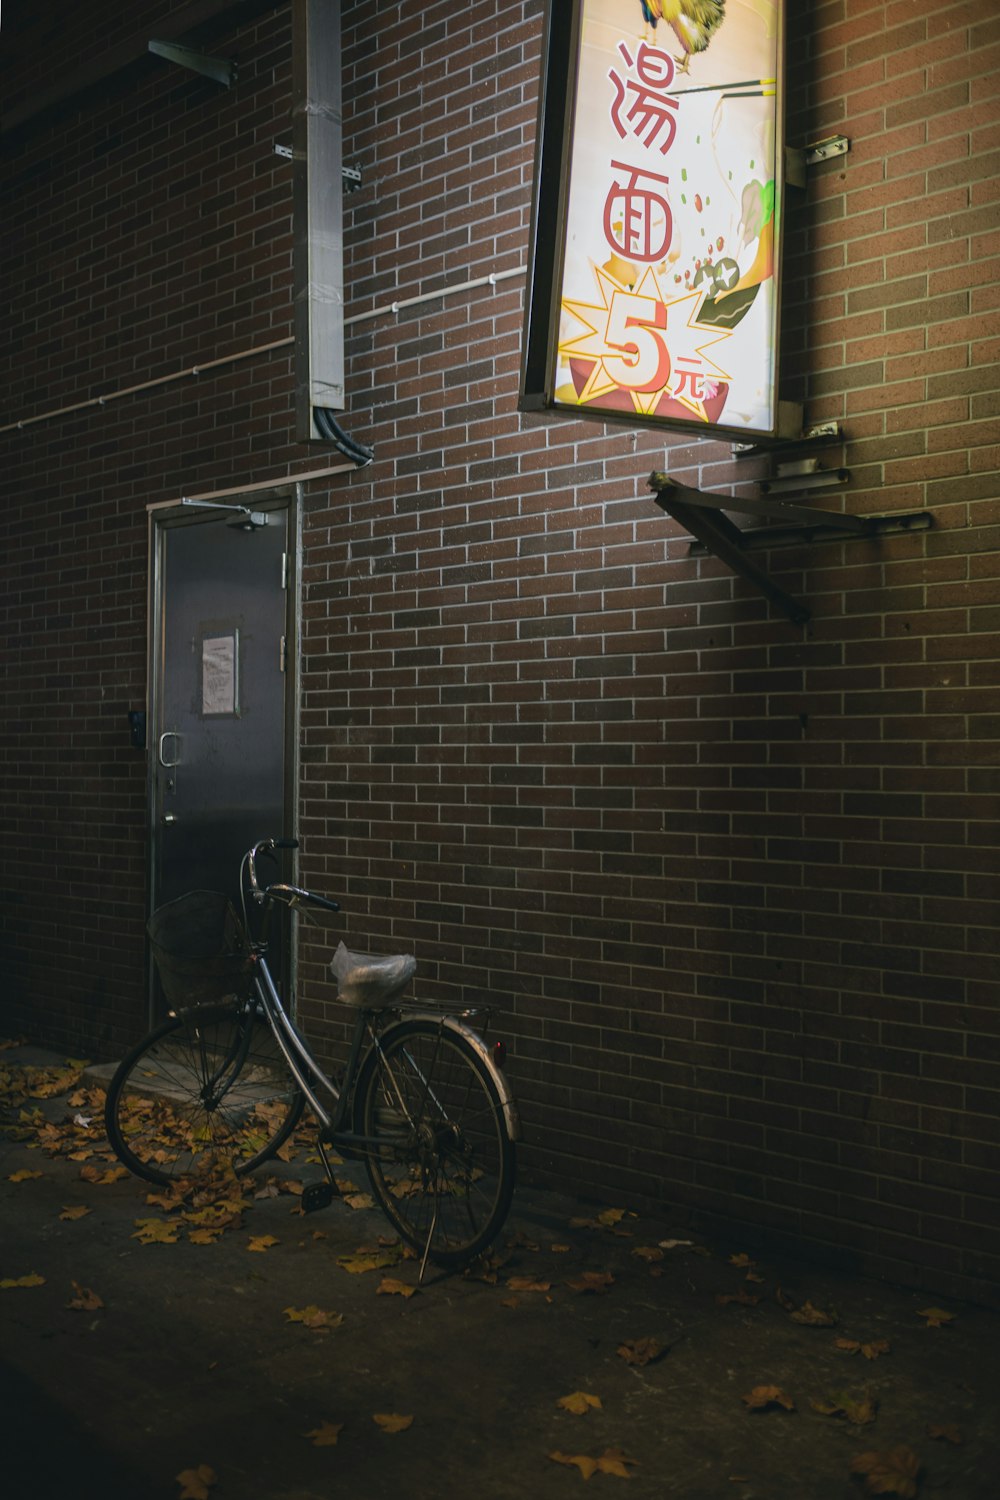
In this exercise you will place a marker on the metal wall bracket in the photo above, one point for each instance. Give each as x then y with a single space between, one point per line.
219 69
822 432
703 515
349 176
798 158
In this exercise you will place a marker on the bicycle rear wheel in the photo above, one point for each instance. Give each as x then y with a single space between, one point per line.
444 1161
208 1089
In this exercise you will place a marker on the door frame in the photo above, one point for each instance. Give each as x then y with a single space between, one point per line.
193 510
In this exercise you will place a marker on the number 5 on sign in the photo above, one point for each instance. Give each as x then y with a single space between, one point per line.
636 326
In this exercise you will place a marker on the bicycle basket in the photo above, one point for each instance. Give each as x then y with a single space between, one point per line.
200 948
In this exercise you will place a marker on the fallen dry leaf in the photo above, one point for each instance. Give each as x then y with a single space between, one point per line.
357 1265
85 1299
155 1232
945 1432
763 1396
871 1350
101 1177
611 1216
894 1473
936 1317
262 1242
390 1287
591 1281
741 1260
746 1299
528 1284
204 1236
77 1211
813 1317
391 1421
325 1435
23 1176
196 1483
559 1249
649 1253
359 1200
611 1461
640 1351
579 1403
32 1279
314 1317
859 1410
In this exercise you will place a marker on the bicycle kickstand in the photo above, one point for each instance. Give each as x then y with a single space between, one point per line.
427 1247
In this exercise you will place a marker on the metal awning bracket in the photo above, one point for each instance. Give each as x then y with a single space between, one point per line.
219 69
703 513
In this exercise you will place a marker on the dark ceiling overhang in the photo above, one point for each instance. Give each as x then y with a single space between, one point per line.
198 22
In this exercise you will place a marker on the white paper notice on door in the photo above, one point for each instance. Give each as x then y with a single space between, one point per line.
219 674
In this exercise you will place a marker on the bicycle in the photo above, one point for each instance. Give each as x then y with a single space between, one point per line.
423 1100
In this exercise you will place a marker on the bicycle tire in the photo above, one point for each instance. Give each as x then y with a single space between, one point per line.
162 1117
425 1093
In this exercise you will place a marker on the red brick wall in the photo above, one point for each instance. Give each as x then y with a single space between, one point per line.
732 882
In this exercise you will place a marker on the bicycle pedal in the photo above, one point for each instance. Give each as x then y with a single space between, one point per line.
316 1195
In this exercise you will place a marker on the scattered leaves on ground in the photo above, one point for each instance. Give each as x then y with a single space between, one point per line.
945 1432
391 1421
25 1175
196 1483
859 1410
358 1263
325 1435
85 1299
579 1403
641 1351
649 1253
894 1473
591 1281
156 1232
389 1286
936 1317
102 1176
870 1350
764 1396
813 1317
611 1461
316 1318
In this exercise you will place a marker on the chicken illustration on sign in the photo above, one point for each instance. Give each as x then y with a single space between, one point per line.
668 299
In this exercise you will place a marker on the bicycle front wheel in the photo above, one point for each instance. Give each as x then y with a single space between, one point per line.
208 1089
442 1165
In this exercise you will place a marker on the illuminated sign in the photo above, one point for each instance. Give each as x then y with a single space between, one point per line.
653 294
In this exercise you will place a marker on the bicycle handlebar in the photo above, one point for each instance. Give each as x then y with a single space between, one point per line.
280 890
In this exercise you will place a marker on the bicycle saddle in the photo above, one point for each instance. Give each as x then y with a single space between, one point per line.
366 980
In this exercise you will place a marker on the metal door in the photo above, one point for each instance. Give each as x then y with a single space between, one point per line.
220 702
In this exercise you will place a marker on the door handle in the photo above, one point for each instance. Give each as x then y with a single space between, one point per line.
169 734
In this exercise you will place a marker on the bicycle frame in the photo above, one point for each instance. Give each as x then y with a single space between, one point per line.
310 1076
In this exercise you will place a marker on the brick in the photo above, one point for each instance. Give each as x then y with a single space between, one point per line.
711 863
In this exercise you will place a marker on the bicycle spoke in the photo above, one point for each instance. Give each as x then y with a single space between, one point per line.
444 1159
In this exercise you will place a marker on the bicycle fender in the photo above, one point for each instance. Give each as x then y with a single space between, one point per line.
511 1117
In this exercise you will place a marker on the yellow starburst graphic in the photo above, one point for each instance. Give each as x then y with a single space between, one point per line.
643 341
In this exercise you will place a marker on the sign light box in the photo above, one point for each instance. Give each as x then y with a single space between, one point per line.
653 294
